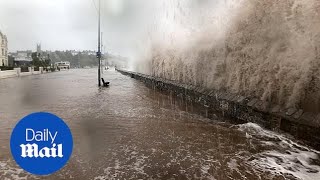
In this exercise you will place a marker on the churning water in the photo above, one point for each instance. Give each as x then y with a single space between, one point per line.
128 131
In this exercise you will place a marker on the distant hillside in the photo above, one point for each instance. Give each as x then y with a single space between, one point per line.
86 58
77 60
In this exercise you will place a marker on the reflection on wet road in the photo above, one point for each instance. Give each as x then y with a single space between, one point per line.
128 131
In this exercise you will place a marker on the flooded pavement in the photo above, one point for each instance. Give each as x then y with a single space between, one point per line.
128 131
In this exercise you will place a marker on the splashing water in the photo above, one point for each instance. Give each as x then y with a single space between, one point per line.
261 48
280 154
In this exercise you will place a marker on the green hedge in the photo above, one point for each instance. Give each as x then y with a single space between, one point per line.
5 68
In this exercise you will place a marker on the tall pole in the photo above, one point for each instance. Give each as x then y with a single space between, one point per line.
99 50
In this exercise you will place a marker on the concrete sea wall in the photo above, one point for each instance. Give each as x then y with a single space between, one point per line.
302 125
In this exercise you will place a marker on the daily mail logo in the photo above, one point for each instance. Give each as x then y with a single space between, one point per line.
41 143
32 150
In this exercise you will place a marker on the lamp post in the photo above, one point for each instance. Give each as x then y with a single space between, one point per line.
99 49
101 53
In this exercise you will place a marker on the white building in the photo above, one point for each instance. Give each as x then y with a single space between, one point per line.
23 56
3 50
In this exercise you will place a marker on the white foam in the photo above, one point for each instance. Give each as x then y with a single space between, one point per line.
8 172
287 157
233 165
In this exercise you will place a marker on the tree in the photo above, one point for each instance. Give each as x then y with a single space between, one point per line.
47 61
35 60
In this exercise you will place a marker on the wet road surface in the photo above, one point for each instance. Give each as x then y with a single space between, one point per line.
128 131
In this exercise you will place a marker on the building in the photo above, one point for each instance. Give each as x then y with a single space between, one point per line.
39 48
3 50
22 58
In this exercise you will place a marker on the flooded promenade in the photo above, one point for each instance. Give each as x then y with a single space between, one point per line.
128 131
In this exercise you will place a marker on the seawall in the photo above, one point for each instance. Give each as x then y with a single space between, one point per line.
302 125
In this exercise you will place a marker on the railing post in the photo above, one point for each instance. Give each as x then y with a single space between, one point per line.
18 71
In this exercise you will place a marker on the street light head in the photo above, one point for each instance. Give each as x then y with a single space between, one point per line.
98 55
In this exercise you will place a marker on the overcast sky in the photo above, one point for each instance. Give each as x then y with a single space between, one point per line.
127 24
72 24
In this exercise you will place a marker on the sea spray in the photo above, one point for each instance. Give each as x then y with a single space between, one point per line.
266 49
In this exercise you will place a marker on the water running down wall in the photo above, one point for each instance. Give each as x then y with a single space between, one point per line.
300 124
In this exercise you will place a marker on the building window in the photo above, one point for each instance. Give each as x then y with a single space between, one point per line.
2 52
2 41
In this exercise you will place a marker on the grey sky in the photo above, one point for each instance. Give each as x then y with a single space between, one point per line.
127 24
72 24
